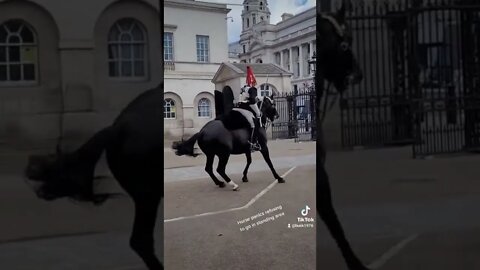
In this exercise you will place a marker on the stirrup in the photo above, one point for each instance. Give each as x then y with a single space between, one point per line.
255 147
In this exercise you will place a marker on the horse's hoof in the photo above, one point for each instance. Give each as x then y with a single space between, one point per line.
281 180
222 185
236 188
245 179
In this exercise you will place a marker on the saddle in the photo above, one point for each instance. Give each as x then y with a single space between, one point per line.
234 120
231 119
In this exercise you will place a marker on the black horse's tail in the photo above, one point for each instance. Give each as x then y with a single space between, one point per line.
186 147
70 174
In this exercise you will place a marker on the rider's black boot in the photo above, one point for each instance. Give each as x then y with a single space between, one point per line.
254 145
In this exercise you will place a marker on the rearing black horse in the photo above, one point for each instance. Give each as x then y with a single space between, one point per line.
336 63
230 134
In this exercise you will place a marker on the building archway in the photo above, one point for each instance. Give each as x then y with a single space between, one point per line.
118 64
34 74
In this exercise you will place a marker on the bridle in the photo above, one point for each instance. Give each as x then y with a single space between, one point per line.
268 122
340 30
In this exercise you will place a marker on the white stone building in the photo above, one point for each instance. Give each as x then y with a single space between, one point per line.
195 44
271 78
289 43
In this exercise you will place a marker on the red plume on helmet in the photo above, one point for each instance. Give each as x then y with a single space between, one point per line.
251 81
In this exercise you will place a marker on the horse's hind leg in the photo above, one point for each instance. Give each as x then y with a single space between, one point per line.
222 165
245 171
209 170
141 239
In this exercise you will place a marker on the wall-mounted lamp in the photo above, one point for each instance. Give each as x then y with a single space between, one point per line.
231 19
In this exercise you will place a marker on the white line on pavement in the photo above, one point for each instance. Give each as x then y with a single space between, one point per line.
379 262
267 189
236 208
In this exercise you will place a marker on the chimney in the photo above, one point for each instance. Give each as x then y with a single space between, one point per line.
286 16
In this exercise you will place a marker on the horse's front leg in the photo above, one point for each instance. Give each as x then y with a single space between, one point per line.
248 154
266 156
329 216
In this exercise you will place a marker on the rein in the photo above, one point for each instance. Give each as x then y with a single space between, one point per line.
330 107
260 108
268 122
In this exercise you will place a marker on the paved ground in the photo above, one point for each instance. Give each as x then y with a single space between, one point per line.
202 229
399 214
406 214
216 242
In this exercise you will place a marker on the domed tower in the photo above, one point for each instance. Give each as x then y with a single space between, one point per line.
255 16
254 12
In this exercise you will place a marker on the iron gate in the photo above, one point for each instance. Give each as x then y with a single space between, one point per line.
421 61
296 115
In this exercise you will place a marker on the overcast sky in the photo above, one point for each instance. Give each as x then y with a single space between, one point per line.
277 8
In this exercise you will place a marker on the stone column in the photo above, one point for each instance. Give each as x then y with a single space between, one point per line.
281 58
300 61
290 52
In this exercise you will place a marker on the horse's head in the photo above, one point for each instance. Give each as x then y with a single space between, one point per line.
335 58
267 106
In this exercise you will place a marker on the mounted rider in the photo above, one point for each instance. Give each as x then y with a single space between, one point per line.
248 102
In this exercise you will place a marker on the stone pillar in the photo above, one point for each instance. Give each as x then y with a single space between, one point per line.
290 53
281 58
300 61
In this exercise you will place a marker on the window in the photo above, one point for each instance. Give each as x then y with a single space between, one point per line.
254 19
265 90
204 108
18 53
244 49
169 111
435 67
248 22
127 49
261 7
168 46
202 48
